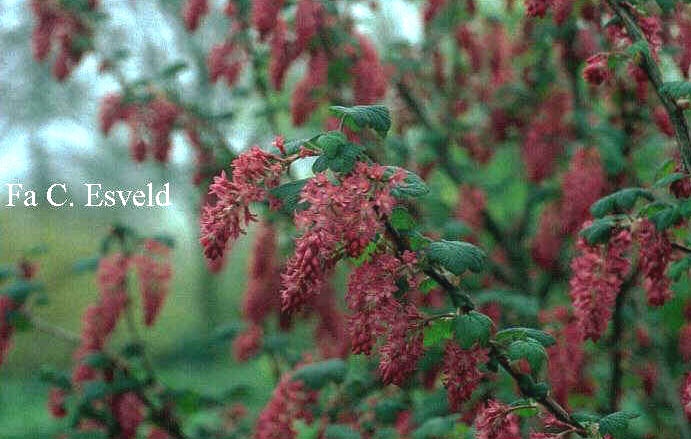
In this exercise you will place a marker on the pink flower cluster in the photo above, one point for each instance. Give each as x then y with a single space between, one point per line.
350 213
128 411
495 421
7 305
596 277
655 252
685 395
290 401
56 24
151 124
597 70
226 61
227 216
192 13
377 313
462 375
544 137
472 202
582 184
154 272
100 319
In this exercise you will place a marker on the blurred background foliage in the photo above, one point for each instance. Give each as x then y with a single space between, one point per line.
50 134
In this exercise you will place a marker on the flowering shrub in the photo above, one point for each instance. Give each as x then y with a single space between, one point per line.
460 314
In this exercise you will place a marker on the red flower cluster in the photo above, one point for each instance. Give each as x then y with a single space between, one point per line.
290 401
597 275
545 136
582 184
6 330
685 395
305 95
192 13
127 408
265 15
151 124
254 171
462 375
596 70
100 319
495 421
155 272
225 61
350 213
247 344
471 206
56 402
62 26
655 252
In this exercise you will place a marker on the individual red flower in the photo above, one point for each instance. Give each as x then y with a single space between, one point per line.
192 13
7 305
596 70
537 8
247 344
462 375
495 421
56 403
664 124
685 395
154 272
596 277
432 9
655 251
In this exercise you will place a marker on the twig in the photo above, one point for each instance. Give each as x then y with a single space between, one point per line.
652 70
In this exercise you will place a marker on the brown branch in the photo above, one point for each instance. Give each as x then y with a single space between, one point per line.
465 304
652 70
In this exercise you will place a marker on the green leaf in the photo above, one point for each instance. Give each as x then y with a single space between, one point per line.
438 427
401 220
473 327
599 231
677 268
86 265
339 154
386 411
456 256
677 89
340 431
616 424
669 179
289 194
437 331
413 186
509 335
531 351
97 360
317 375
620 201
376 117
20 290
95 390
173 69
666 217
306 431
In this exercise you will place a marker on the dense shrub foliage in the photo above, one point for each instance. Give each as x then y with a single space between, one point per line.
507 200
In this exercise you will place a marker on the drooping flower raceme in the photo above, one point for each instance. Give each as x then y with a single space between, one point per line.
227 217
350 213
596 278
655 252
